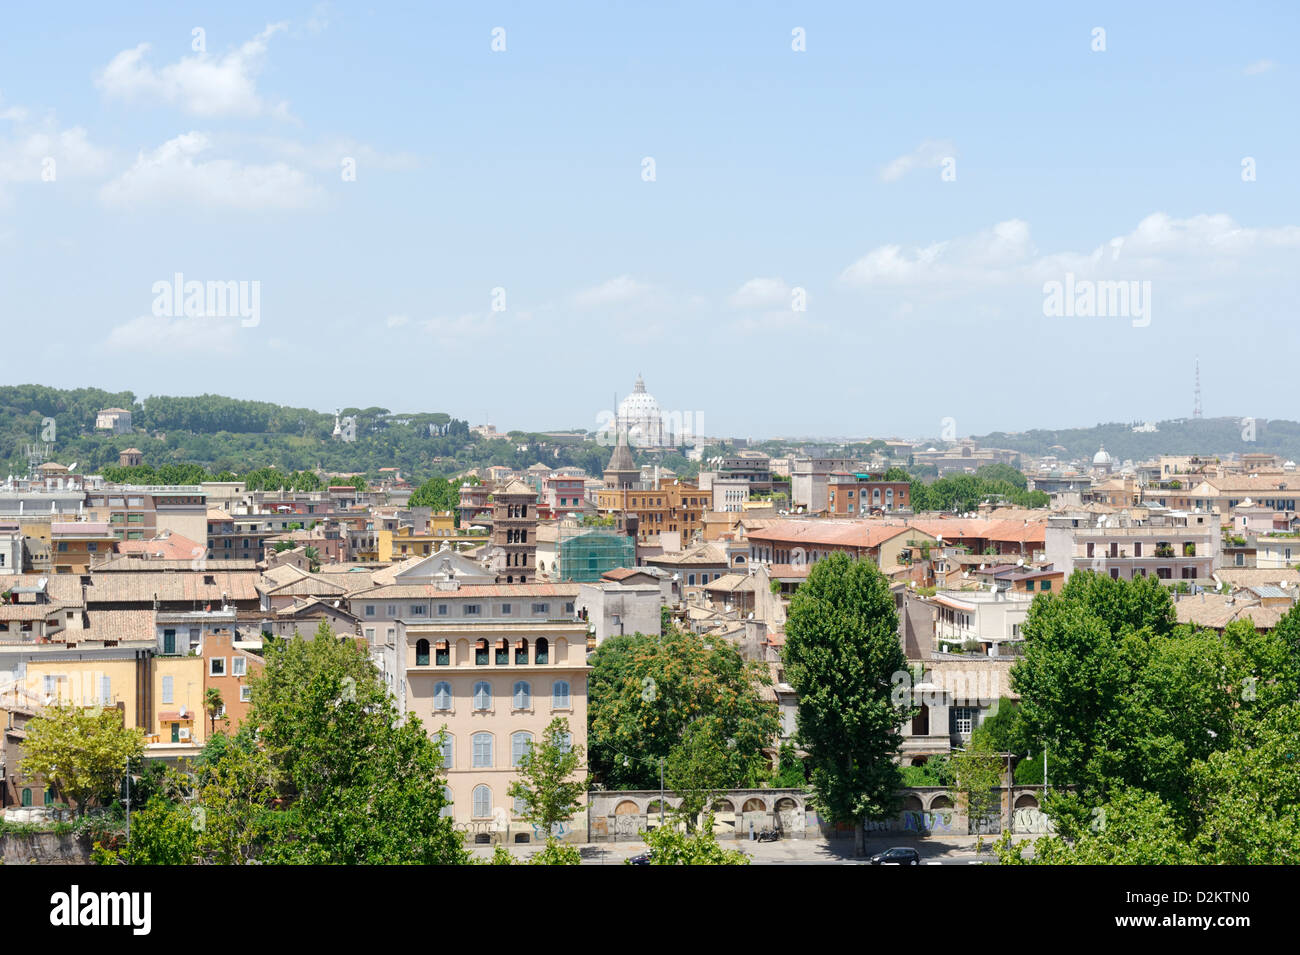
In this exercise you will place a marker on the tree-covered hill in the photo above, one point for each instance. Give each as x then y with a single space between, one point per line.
1204 436
223 434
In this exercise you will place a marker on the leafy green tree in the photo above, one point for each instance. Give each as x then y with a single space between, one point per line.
82 753
163 833
790 773
1132 828
979 771
698 768
1247 799
842 655
670 846
644 692
236 795
546 787
557 853
366 786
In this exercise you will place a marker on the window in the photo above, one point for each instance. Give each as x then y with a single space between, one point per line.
105 689
541 609
370 610
542 651
442 610
422 653
523 695
560 695
482 802
448 751
217 666
442 655
568 607
238 666
519 745
482 750
442 696
521 806
505 610
470 610
449 808
417 610
245 693
521 653
27 797
483 695
168 688
566 741
392 610
963 720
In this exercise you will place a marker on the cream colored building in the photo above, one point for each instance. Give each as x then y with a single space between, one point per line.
494 684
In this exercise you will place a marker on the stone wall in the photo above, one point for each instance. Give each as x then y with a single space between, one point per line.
44 848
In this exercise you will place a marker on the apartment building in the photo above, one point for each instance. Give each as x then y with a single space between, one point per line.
809 477
1170 546
76 545
850 495
493 665
143 512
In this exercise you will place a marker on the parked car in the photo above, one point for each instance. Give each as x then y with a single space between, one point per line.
641 858
897 856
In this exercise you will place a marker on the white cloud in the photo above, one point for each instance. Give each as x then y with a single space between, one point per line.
202 85
1259 66
1160 244
174 173
761 293
618 290
397 321
929 155
24 153
168 336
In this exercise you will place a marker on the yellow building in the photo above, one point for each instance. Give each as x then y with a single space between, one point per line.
75 545
403 542
178 710
85 682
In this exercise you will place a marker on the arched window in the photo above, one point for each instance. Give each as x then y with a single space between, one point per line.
448 751
543 648
560 695
483 695
422 653
521 806
482 750
482 802
566 741
523 695
521 653
481 652
449 807
519 745
27 797
442 696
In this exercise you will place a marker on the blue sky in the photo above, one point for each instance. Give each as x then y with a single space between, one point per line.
775 171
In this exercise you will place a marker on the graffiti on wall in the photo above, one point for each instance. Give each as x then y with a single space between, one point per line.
1032 819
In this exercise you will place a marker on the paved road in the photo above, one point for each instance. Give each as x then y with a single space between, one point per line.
955 850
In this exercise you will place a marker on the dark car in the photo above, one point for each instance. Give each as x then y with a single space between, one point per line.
897 856
642 858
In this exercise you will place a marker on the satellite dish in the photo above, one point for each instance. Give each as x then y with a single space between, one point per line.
182 712
72 466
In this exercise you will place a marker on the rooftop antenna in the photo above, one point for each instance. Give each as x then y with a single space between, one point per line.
1196 408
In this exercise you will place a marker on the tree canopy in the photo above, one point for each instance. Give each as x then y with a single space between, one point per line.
841 655
646 690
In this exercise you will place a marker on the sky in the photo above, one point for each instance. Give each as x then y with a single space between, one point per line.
811 219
